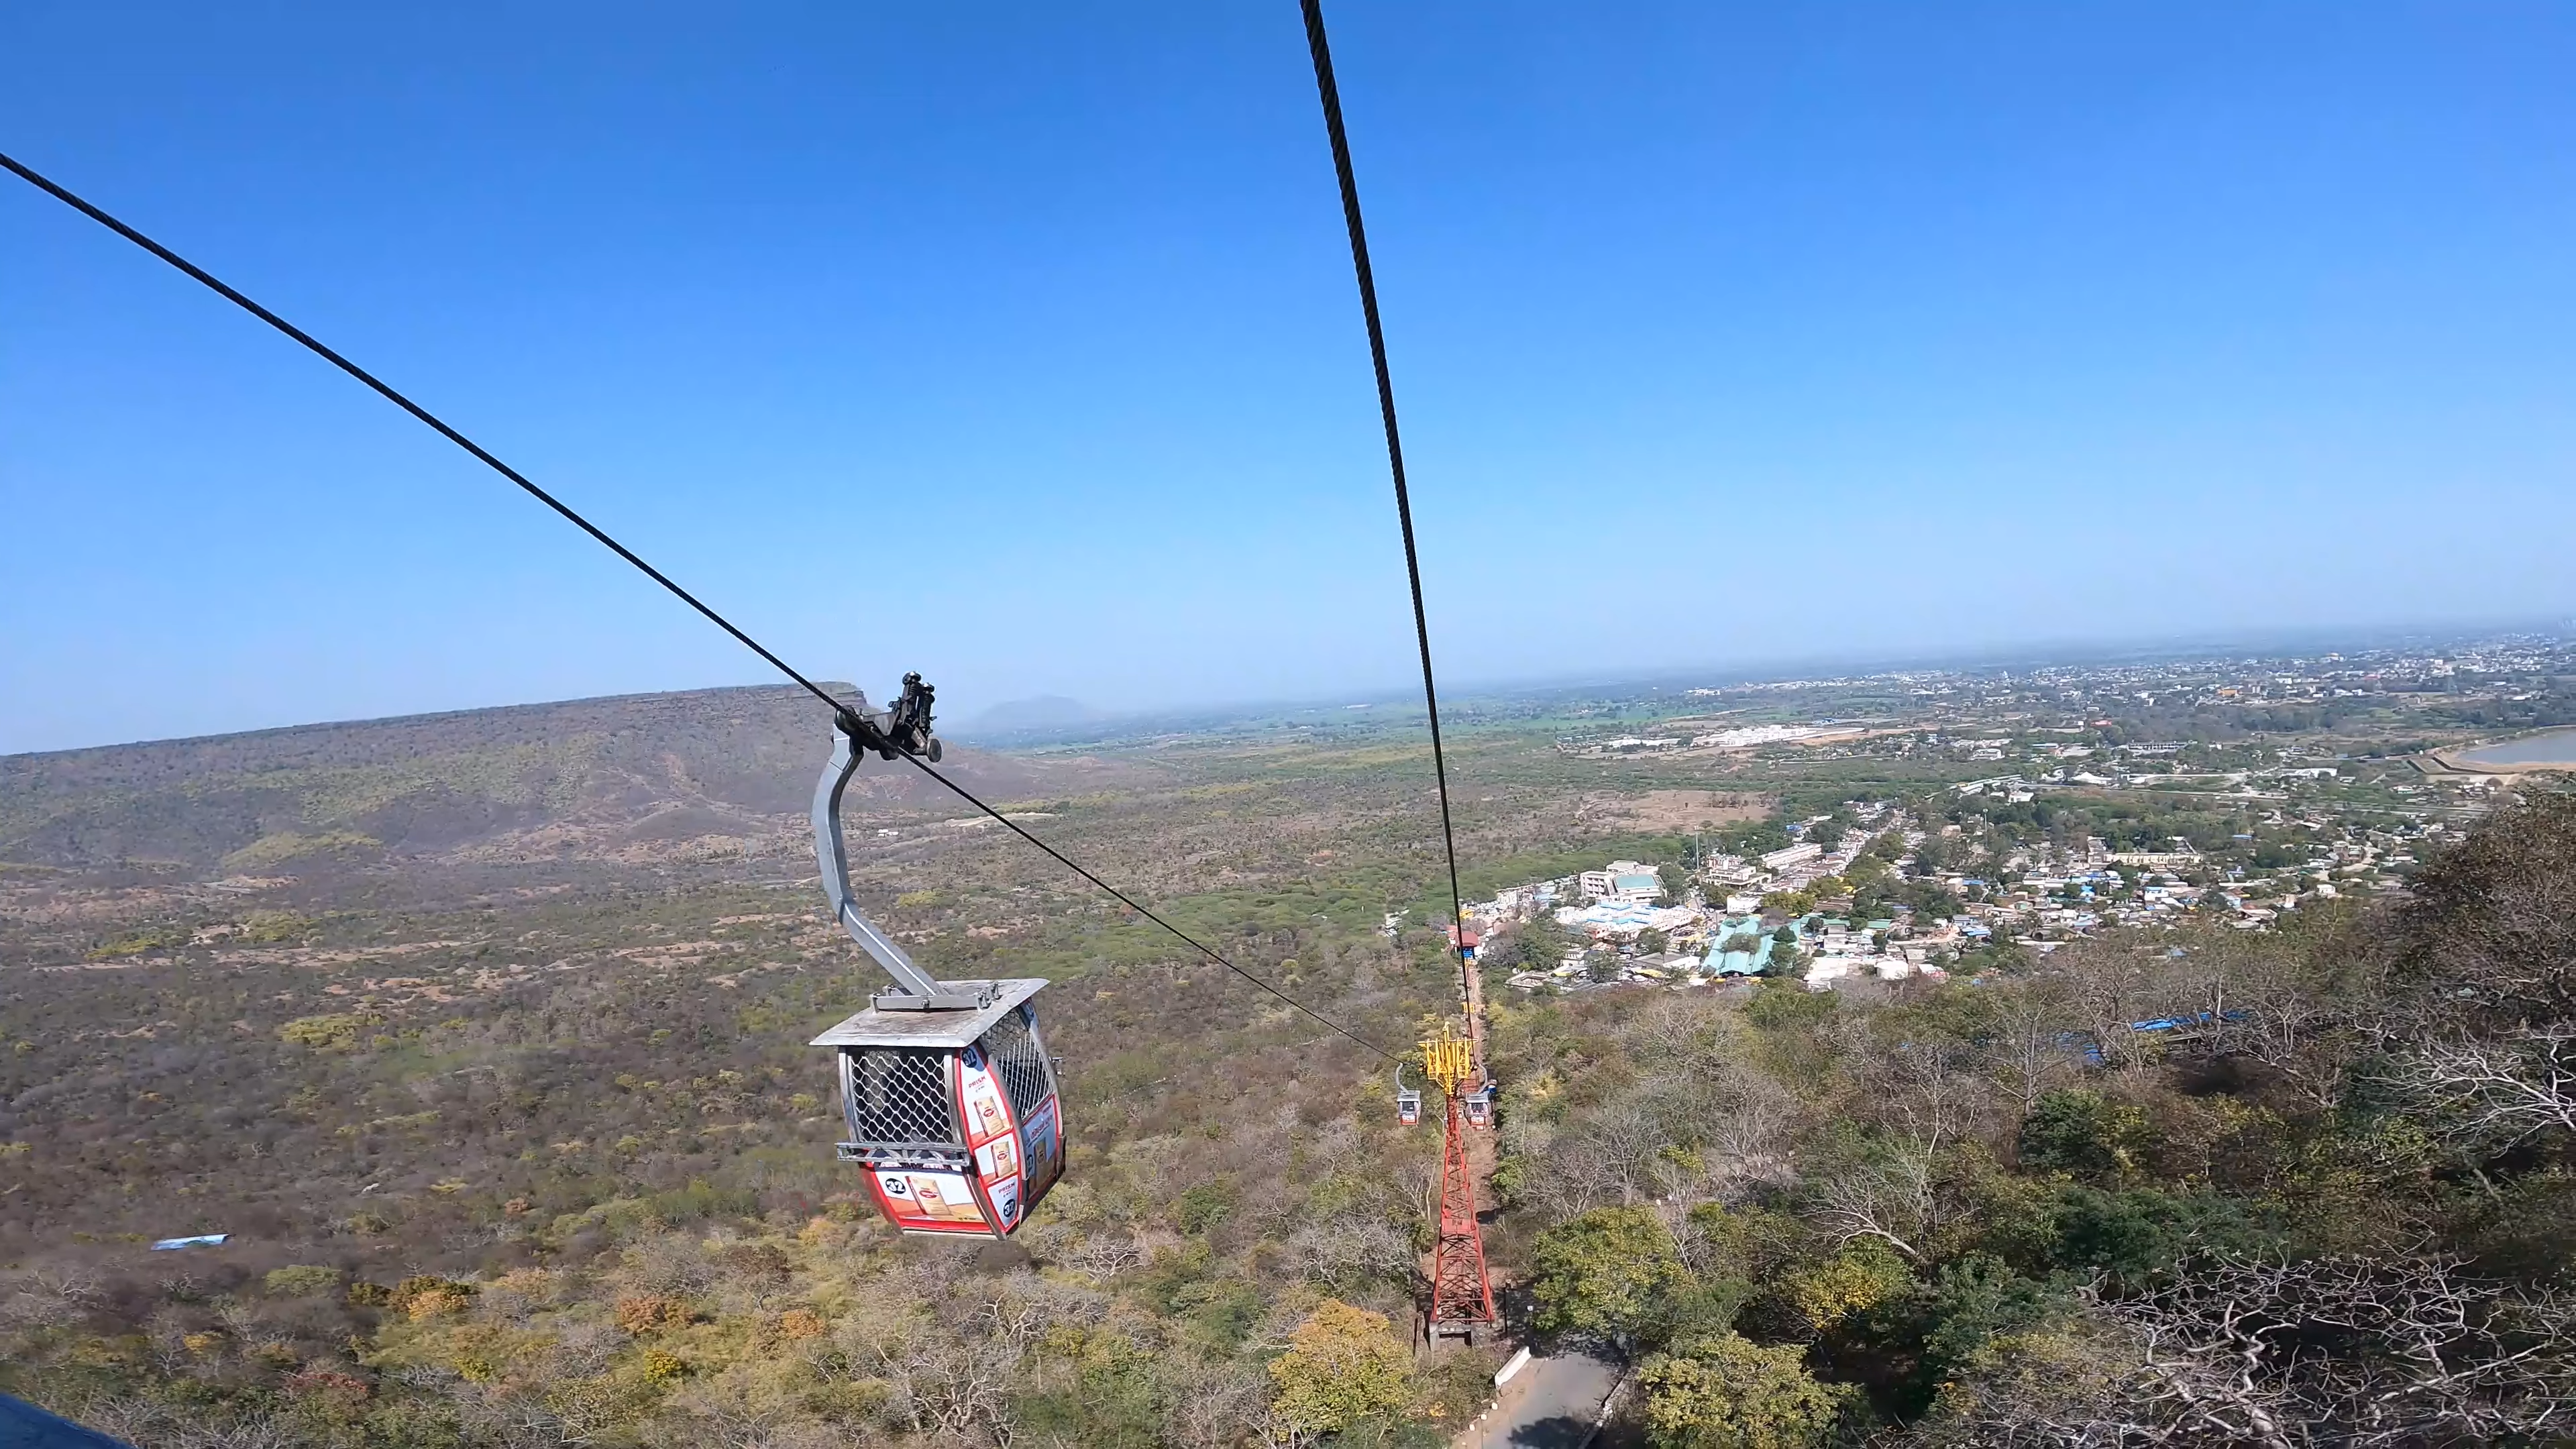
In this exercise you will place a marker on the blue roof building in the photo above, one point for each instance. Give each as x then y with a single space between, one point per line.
1740 963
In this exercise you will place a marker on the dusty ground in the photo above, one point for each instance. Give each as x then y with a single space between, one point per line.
1678 809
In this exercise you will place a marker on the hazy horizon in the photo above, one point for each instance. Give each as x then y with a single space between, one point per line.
959 717
1020 348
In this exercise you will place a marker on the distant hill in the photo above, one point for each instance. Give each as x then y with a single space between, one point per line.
1021 716
634 768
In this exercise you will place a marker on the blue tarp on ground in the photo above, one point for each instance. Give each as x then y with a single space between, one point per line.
201 1240
24 1426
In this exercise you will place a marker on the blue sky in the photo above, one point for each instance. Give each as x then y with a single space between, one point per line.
1017 344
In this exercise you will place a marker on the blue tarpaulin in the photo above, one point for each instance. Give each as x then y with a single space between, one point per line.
201 1240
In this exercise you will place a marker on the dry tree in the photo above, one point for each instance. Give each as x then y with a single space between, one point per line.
2345 1352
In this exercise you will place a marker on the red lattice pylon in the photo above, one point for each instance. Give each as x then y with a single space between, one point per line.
1461 1296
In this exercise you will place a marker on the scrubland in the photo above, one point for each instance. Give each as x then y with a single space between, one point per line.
501 1090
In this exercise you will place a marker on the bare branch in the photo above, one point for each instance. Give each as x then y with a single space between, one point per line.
2501 1089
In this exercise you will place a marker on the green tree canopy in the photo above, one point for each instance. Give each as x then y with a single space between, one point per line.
1543 942
2080 1131
1724 1391
1603 1274
1344 1366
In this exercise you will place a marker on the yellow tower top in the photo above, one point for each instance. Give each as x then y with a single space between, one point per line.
1449 1061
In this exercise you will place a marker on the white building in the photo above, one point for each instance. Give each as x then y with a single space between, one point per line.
2157 859
1798 854
1625 880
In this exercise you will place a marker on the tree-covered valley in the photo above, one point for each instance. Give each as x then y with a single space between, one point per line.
484 1040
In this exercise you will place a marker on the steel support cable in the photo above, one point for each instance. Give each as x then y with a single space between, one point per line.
216 285
1331 96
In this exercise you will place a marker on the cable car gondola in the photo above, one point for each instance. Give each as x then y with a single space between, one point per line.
947 1088
951 1098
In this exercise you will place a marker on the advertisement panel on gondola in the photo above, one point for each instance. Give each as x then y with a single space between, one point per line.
987 1115
1042 1148
938 1202
988 1132
1005 1193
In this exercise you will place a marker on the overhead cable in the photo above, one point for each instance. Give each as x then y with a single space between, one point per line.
1130 902
216 285
1331 96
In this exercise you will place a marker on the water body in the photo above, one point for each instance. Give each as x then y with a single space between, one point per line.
2554 747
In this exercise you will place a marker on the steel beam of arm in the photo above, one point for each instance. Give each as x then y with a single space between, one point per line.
916 989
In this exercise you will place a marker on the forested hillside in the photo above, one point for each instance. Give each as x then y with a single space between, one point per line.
564 1060
520 1144
2326 1199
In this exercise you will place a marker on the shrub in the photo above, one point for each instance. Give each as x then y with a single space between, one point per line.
150 938
699 1200
424 1297
297 1281
1202 1207
329 1385
1343 1366
336 1032
1723 1391
1603 1273
270 927
1970 1304
537 1284
762 1262
1855 1280
2080 1131
645 1313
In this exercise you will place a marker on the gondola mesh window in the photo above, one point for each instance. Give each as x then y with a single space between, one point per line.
899 1096
1013 1050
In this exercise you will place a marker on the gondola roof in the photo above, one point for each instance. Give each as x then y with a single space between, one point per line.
933 1029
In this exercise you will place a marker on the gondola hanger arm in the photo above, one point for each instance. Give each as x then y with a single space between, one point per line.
858 730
